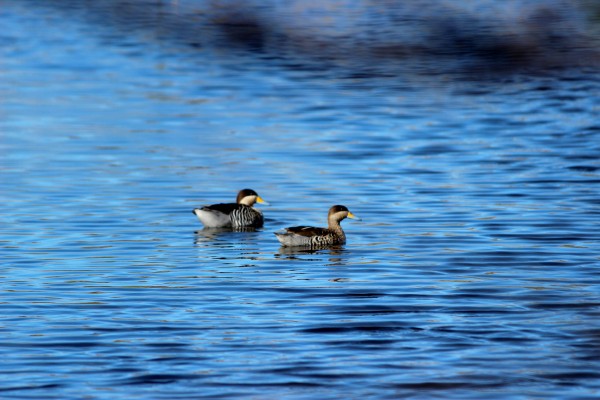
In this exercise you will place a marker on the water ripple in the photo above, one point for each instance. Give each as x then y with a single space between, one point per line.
473 272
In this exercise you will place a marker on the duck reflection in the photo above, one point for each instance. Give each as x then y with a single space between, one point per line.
217 234
335 253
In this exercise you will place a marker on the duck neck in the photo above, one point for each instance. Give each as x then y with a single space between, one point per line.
335 226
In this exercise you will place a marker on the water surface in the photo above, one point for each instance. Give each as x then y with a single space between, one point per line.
474 273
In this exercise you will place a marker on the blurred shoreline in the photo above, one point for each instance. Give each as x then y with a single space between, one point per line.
373 35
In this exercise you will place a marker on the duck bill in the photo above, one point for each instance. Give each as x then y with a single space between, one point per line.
261 201
350 215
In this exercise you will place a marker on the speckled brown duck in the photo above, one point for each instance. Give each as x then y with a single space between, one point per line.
310 236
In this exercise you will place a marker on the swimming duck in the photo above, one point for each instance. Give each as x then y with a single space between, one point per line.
309 236
235 215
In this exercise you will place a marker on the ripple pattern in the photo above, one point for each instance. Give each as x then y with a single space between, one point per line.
474 273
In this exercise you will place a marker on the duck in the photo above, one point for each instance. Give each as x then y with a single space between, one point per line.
240 214
310 236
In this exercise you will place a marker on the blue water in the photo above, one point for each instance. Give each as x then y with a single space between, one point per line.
473 274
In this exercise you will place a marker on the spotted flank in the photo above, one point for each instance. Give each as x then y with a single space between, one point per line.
310 236
233 215
313 237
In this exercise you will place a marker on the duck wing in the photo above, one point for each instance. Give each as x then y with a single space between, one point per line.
225 208
307 230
